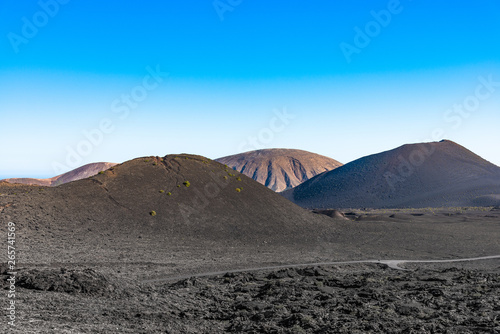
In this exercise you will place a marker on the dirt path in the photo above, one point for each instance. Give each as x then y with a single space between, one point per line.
394 264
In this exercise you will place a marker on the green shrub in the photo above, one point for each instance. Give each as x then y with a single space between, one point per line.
169 193
186 183
162 191
238 178
153 213
101 172
225 177
178 186
238 189
146 160
155 164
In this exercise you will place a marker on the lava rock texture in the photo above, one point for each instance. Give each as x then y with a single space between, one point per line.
341 299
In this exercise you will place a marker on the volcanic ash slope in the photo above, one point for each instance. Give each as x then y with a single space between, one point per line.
178 199
437 174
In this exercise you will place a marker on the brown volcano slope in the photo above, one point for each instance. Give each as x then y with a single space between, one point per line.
176 198
280 169
434 174
74 175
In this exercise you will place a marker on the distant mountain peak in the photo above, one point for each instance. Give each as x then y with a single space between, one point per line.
73 175
278 168
413 175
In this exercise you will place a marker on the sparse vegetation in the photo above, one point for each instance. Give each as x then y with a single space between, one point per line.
153 213
146 160
186 183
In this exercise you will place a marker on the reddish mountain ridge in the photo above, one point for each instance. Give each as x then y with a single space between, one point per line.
280 169
74 175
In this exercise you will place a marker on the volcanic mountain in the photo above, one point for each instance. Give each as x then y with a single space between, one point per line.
175 198
280 169
76 174
436 174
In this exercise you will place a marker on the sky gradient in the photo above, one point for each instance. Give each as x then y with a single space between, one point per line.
86 81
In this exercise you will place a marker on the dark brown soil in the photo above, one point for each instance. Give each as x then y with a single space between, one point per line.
181 199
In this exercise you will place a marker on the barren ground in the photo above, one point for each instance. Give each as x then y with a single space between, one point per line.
96 282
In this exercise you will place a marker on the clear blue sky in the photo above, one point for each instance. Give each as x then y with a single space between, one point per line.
84 67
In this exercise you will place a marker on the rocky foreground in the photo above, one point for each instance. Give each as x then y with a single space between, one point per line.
343 299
